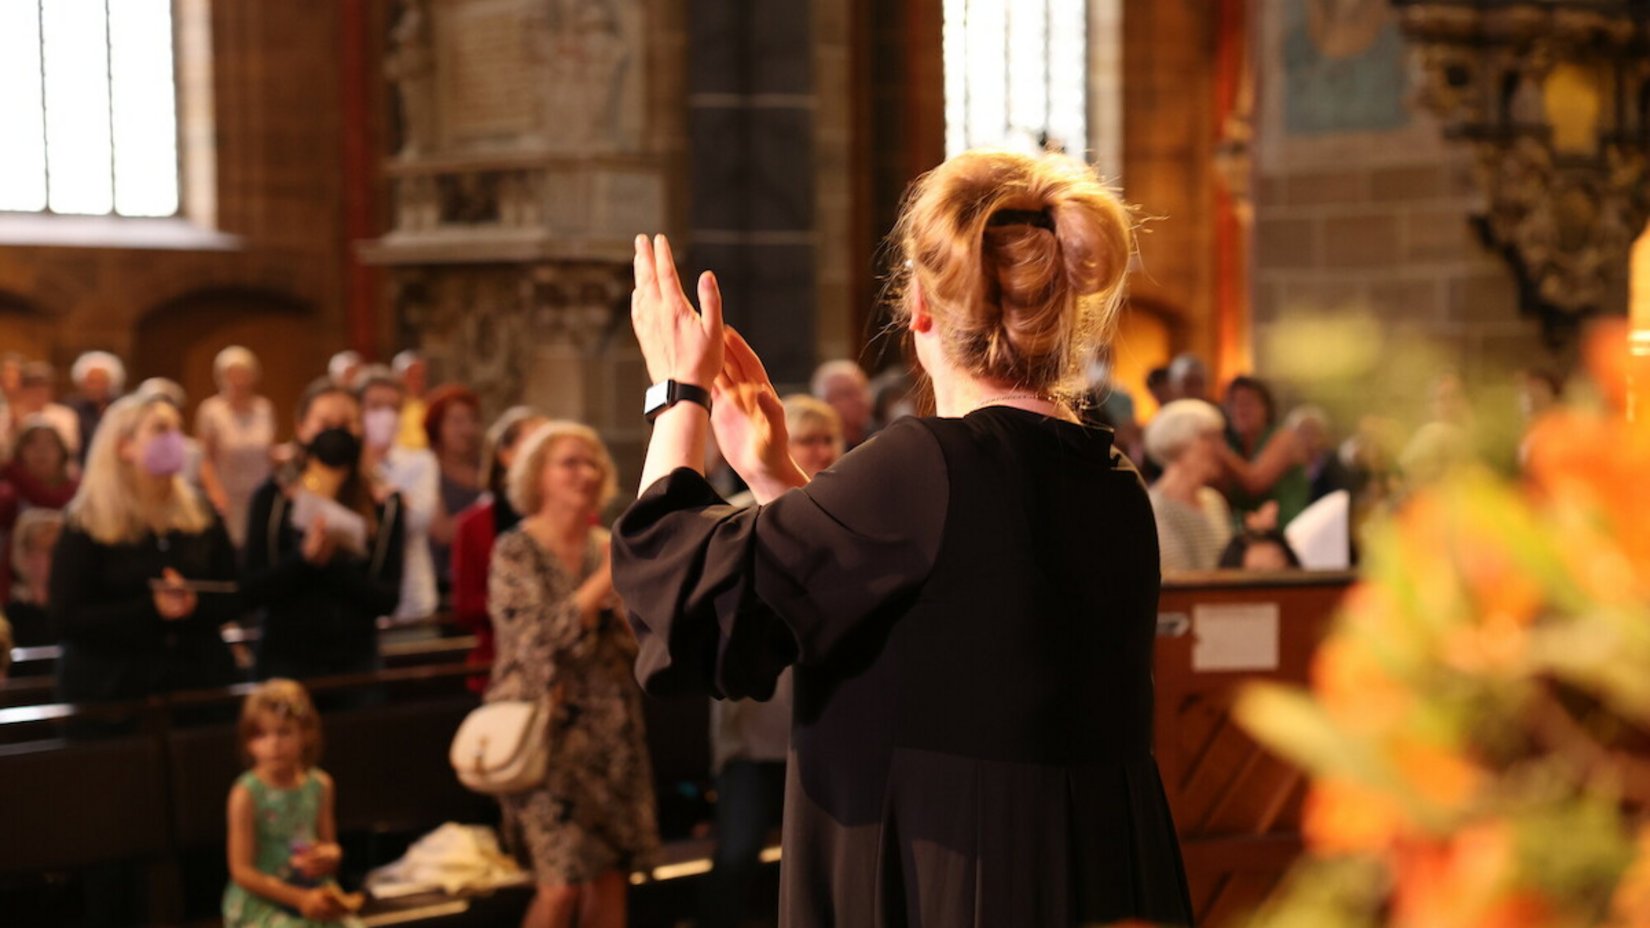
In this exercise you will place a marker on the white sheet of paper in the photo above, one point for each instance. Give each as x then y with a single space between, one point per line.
1321 535
1235 636
345 525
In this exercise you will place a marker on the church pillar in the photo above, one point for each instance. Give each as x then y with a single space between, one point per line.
534 139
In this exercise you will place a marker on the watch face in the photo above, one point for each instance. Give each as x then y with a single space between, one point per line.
656 397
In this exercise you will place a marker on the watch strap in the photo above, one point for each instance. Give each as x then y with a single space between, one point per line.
673 392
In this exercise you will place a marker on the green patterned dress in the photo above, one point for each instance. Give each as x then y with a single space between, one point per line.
285 820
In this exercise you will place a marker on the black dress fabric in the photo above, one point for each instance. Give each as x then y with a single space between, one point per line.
971 606
318 620
115 645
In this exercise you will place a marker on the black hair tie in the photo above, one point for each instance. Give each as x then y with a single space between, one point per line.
1022 217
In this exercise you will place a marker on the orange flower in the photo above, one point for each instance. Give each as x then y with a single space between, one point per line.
1437 774
1605 349
1499 585
1630 907
1345 817
1355 689
1497 644
1464 882
1593 468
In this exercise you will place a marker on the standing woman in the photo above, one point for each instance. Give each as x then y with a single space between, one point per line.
1263 463
479 526
236 429
551 598
123 583
452 422
748 739
323 548
99 379
970 600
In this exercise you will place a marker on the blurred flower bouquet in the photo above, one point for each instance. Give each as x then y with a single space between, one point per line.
1478 724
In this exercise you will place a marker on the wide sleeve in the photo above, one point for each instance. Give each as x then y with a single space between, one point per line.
723 599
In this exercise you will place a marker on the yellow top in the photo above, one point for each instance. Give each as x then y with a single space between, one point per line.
412 425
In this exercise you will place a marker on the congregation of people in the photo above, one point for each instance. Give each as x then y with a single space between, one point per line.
1229 476
135 536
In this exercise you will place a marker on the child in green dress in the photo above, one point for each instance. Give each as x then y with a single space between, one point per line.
283 847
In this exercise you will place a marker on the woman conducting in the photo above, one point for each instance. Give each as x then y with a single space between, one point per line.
969 599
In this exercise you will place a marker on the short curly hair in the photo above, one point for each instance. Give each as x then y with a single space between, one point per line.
525 480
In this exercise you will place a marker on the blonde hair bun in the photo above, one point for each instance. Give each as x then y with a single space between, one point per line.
1021 260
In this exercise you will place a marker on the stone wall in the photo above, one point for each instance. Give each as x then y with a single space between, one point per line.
1363 211
265 256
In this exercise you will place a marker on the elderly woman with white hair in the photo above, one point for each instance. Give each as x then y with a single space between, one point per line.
1194 523
557 631
99 378
236 429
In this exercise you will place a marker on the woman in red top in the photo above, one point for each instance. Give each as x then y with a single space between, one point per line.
41 470
40 475
477 527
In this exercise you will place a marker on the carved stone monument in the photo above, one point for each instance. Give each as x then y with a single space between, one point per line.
525 168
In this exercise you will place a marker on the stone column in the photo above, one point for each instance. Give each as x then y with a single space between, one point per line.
536 141
751 199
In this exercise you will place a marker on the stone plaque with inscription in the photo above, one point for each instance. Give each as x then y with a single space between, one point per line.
490 72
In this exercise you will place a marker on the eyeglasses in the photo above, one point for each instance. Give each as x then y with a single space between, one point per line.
820 439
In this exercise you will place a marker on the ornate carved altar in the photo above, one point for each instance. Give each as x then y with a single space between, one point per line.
1553 97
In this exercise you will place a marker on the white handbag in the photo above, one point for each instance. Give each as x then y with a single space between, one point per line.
503 747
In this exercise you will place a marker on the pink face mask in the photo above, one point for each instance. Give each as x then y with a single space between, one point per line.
379 426
165 453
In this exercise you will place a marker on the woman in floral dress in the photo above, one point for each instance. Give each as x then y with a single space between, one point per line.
550 595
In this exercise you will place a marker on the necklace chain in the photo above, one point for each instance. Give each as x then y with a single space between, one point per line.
1013 396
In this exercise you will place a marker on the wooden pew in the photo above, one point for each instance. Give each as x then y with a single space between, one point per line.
32 680
73 804
1236 807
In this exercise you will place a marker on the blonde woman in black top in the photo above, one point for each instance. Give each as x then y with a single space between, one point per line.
969 599
143 574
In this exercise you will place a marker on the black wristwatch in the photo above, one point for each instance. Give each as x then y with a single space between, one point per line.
667 393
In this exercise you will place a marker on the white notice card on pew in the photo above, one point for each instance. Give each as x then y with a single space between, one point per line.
1235 636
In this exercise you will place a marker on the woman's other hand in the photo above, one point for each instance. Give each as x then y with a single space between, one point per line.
174 600
1264 518
319 544
677 342
596 592
749 421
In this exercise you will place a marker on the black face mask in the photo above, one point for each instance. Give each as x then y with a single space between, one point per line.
335 447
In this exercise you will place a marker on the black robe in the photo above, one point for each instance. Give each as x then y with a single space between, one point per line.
971 606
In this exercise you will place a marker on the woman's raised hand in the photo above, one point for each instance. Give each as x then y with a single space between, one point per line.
677 342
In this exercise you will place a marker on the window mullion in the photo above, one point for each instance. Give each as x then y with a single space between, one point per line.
45 133
109 69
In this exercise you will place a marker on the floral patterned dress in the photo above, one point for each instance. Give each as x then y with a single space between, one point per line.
285 819
595 812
